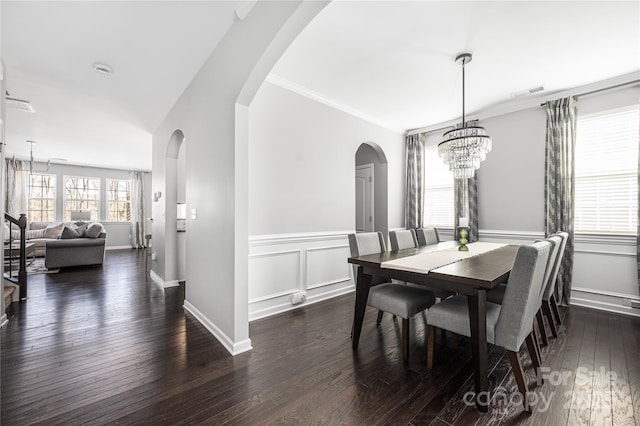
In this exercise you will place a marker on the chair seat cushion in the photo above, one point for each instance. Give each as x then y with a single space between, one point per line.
401 300
496 294
453 314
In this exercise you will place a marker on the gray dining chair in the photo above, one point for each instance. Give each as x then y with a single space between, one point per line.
497 294
427 236
509 325
400 300
549 304
403 239
406 238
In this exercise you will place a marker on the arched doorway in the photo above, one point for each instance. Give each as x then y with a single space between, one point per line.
371 189
175 192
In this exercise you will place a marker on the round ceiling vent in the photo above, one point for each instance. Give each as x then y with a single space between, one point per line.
103 69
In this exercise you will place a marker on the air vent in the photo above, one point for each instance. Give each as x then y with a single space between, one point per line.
527 92
19 104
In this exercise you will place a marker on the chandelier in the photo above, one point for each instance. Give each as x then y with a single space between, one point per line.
465 146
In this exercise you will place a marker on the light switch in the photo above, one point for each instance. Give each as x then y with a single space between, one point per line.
194 213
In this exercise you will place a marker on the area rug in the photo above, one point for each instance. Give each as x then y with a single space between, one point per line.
34 267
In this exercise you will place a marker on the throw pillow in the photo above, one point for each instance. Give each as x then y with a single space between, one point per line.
94 230
53 230
81 230
68 233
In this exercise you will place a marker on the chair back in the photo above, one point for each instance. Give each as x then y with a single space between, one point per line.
555 246
550 286
427 236
522 294
365 243
403 239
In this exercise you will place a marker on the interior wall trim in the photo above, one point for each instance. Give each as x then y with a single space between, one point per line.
234 348
270 239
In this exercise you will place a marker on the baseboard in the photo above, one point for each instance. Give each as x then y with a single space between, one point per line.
3 320
603 301
285 307
161 282
234 348
118 247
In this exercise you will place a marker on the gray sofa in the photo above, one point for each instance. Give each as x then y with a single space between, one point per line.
75 252
77 246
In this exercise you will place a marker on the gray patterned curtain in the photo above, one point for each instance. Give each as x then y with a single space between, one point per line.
466 204
414 165
559 184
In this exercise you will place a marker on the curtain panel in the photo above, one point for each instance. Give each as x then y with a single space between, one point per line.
414 166
17 177
466 205
137 210
560 184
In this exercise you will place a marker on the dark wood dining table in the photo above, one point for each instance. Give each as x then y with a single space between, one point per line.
471 277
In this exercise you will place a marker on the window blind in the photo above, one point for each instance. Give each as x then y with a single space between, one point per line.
606 165
438 196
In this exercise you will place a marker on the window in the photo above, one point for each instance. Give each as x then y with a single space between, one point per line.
606 164
118 200
438 194
81 194
42 198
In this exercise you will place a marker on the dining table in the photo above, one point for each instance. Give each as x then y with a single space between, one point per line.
471 273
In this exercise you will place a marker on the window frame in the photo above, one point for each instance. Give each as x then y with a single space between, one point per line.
53 200
109 201
432 149
66 199
602 178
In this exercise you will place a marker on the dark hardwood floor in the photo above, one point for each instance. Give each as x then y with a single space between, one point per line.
107 346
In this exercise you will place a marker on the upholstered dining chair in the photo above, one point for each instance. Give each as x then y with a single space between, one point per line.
400 300
508 325
427 236
548 299
403 239
497 294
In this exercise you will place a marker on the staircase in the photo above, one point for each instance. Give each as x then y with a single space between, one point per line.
14 251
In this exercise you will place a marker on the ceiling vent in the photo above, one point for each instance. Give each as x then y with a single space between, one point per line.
19 105
527 92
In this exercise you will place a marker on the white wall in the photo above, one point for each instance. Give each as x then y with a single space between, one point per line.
302 196
213 115
118 233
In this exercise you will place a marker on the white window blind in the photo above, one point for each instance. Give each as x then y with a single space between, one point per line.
438 194
606 164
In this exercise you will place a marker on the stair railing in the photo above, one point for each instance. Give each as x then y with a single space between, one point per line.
9 256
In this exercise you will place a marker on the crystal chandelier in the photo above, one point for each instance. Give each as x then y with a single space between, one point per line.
465 146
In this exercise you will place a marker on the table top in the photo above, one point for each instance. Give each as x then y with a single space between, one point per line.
485 270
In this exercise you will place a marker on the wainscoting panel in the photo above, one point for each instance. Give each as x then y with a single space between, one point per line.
319 269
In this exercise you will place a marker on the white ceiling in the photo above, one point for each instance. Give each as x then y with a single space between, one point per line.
389 61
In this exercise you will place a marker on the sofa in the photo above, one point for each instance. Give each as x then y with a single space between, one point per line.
66 243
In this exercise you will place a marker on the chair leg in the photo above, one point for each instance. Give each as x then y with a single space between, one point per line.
518 372
431 341
556 312
543 331
535 337
379 319
546 308
535 355
405 339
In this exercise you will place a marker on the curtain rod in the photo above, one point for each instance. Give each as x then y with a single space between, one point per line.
603 89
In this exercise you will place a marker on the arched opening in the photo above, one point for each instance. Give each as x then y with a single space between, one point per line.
371 189
175 192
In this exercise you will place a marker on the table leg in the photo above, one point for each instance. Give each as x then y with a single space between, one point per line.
478 323
363 282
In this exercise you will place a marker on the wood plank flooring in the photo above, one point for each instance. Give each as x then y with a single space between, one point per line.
107 346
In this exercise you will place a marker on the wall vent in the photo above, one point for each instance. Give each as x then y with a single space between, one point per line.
527 92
